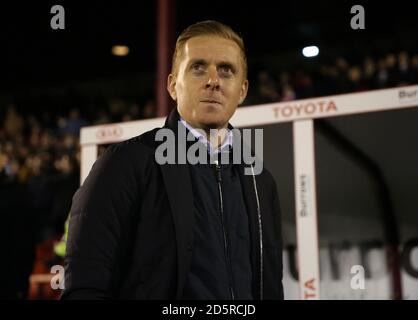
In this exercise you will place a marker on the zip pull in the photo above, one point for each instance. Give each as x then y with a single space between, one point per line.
218 171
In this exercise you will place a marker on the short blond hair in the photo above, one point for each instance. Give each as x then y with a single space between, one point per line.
207 28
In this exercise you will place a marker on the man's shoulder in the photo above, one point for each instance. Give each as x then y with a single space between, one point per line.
129 154
142 144
125 160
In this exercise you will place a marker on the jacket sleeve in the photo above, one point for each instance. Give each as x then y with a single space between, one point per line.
101 214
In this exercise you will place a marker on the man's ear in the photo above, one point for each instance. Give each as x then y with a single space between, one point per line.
171 86
244 91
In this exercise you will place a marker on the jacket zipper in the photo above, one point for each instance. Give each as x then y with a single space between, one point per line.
224 231
260 233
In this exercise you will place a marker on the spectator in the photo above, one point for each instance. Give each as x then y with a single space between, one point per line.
149 110
266 89
288 94
13 123
74 123
355 79
369 71
404 69
414 69
342 70
382 75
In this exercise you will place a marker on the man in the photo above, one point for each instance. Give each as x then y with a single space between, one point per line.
144 230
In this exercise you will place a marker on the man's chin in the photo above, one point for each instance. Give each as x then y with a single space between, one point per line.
211 121
206 124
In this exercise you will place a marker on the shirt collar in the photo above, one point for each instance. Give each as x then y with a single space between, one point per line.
225 146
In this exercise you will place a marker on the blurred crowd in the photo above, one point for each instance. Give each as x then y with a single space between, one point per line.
39 173
40 154
338 77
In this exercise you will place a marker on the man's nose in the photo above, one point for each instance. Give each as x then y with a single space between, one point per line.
213 80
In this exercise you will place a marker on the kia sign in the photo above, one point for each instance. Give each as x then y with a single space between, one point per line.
109 133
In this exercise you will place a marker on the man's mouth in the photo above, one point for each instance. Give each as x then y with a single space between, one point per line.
210 101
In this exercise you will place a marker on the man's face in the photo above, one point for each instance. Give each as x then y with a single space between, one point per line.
210 82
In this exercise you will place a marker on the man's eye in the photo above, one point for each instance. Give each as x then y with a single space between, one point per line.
226 69
197 67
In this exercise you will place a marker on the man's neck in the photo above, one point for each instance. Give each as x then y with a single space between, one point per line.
215 136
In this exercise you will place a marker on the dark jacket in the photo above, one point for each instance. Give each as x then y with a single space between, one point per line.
221 261
132 221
